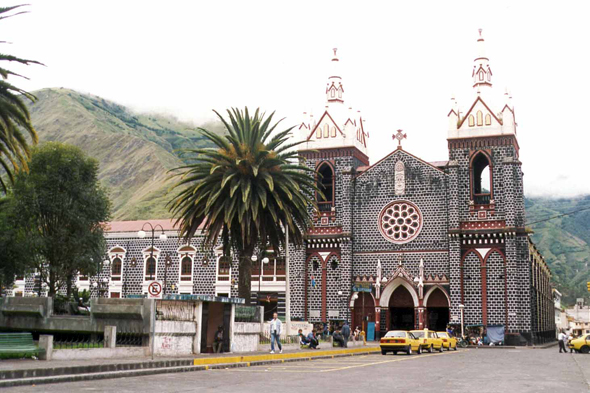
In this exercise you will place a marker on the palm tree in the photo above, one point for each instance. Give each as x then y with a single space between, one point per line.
245 190
15 120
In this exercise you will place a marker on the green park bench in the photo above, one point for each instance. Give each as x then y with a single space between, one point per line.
17 344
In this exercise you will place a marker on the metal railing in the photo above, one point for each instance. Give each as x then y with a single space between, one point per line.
131 339
483 199
78 340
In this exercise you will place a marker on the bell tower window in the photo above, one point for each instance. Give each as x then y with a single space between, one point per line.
326 131
471 121
479 118
333 132
481 179
326 185
488 120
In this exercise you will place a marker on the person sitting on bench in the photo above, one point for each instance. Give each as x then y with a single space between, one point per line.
303 341
338 338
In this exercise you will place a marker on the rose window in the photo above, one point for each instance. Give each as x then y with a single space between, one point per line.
400 221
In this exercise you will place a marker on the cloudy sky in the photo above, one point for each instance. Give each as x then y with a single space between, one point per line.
402 61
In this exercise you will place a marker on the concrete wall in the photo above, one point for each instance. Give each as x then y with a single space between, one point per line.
246 337
175 338
99 353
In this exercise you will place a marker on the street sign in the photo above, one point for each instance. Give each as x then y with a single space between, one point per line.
155 290
361 287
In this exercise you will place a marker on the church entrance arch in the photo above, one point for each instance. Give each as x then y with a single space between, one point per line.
400 300
364 310
437 309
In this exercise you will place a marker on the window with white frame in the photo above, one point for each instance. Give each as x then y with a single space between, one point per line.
116 269
150 266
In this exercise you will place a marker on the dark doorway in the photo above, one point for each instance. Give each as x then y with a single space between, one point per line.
270 302
401 310
437 309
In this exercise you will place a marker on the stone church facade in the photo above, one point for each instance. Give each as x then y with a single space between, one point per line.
400 244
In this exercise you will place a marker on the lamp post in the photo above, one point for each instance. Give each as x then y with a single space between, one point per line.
340 297
168 262
461 307
141 234
265 261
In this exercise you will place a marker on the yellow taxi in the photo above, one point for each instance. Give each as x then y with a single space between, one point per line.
428 339
399 341
581 344
449 342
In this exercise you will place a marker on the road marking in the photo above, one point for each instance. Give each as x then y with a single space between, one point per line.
382 362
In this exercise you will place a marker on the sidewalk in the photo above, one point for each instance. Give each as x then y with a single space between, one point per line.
28 372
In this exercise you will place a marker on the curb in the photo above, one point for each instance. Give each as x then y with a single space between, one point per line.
544 346
141 371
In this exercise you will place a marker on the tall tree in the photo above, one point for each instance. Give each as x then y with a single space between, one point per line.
62 209
245 190
15 120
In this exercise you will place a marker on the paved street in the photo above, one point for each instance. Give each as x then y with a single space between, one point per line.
483 370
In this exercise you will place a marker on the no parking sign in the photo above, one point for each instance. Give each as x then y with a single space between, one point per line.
155 290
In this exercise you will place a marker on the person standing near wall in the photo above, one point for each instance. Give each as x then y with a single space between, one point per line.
275 333
562 339
218 340
346 333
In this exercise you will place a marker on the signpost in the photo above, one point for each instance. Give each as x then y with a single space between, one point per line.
155 290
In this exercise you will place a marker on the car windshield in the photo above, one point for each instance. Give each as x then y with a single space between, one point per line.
443 334
418 334
396 334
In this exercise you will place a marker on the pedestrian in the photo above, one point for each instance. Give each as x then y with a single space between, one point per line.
562 338
357 333
337 337
569 340
275 333
302 339
218 340
326 331
345 333
313 340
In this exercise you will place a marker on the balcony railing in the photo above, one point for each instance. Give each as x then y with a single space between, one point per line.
482 199
325 207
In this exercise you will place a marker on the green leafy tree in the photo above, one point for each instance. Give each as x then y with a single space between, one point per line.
15 257
15 120
245 190
62 210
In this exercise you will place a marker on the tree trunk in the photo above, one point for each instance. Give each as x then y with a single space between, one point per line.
69 280
245 275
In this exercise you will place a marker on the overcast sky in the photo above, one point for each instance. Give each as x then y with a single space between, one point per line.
401 61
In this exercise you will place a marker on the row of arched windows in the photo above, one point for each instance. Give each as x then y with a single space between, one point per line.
186 268
333 93
480 119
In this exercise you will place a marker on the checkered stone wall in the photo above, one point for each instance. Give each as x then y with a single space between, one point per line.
472 289
495 289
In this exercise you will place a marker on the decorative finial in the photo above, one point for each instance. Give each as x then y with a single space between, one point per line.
335 49
399 136
480 30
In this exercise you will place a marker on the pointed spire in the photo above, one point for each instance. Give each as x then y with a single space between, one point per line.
482 73
334 89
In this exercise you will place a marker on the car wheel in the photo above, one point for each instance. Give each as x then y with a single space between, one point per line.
419 349
585 349
430 349
395 352
383 352
449 347
455 347
409 351
441 348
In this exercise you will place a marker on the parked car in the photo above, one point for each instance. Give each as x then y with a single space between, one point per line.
400 341
428 339
581 344
449 342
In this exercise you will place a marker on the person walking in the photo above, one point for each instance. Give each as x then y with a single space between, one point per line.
346 333
569 340
562 339
275 333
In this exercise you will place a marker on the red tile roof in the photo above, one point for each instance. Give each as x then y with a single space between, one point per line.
135 226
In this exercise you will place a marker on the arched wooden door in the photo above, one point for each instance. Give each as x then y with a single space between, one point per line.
364 310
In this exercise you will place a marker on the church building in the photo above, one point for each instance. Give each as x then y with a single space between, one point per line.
399 244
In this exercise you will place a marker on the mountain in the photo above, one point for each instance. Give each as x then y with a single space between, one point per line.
135 151
563 241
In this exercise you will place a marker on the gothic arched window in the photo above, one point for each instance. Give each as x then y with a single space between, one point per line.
326 131
471 121
339 93
488 119
186 269
481 179
480 75
326 185
479 118
333 132
150 268
318 133
332 93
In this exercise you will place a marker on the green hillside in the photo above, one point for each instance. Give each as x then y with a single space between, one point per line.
135 151
564 242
